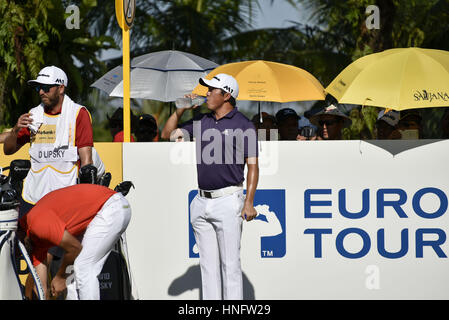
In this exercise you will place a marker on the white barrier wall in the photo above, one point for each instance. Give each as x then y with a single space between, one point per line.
338 220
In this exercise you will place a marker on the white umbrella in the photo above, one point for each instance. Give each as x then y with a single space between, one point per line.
164 76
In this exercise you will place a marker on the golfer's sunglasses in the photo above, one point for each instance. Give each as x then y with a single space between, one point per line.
45 87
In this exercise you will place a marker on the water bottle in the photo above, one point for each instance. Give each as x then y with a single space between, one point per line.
188 102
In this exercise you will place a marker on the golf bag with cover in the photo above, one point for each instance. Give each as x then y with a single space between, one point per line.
11 248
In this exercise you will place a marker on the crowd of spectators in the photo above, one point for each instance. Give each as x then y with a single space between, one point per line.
326 123
330 122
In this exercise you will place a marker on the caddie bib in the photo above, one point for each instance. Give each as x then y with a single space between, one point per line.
51 168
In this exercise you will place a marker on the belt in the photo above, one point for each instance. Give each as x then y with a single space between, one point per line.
212 194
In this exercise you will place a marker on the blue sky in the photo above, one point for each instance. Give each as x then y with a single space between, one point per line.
278 14
269 16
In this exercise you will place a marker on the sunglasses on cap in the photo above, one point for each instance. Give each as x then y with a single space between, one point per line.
45 87
328 122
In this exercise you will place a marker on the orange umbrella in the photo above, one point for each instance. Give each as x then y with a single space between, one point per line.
269 81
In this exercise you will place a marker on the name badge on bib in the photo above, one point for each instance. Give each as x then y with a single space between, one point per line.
54 155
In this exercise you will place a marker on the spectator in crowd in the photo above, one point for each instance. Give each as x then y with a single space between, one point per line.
266 126
306 130
146 130
386 124
115 124
330 122
287 122
409 125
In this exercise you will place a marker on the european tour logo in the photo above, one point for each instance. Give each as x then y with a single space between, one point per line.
425 95
267 231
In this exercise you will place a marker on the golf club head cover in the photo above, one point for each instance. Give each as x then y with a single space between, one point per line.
18 169
88 174
105 179
123 187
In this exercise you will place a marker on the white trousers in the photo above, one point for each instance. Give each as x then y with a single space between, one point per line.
217 225
98 240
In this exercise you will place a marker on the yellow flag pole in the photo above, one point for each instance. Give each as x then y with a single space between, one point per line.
124 11
126 88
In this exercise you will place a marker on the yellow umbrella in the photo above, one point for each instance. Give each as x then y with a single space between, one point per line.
269 81
400 79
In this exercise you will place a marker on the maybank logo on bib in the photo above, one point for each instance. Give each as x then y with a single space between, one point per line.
45 134
268 229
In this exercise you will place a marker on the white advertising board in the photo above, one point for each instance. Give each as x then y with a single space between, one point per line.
337 220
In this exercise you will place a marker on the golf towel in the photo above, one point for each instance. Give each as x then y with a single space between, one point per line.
68 114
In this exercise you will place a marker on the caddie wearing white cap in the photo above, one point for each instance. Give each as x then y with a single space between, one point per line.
60 135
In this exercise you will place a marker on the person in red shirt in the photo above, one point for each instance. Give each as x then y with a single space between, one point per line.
96 213
115 124
57 124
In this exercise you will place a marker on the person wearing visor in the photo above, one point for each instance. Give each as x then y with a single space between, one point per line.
226 141
331 122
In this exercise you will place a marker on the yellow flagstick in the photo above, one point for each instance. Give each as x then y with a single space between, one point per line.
126 88
124 11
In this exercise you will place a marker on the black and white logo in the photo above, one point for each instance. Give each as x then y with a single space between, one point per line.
228 89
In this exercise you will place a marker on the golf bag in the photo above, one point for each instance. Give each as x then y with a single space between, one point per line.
114 278
11 248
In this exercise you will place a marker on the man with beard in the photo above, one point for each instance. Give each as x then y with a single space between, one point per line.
60 134
61 139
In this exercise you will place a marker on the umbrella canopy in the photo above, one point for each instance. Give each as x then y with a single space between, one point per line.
403 78
163 76
172 60
269 81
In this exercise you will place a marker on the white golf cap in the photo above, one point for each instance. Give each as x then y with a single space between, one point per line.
223 81
50 75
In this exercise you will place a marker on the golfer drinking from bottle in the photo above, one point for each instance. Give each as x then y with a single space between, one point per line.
225 141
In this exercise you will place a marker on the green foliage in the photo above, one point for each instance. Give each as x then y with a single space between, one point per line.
403 23
34 34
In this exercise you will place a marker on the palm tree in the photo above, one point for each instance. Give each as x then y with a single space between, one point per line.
201 27
40 37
